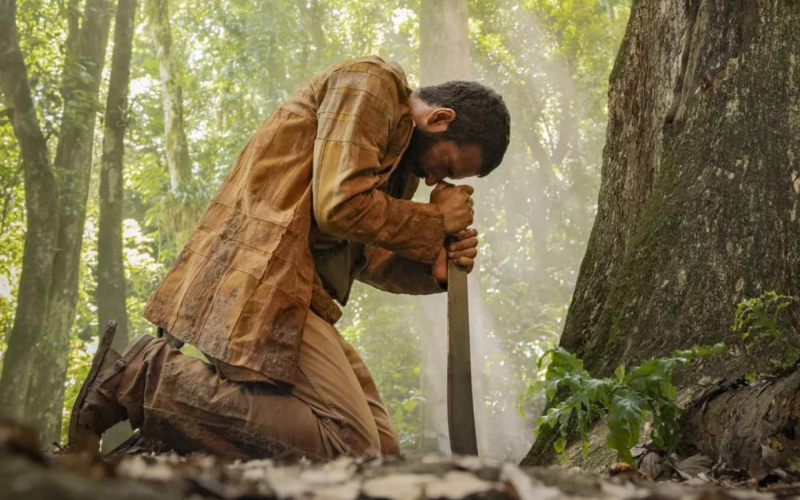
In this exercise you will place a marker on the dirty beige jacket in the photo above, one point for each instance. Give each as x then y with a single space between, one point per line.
314 177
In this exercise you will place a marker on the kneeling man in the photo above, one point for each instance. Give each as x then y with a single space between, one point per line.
320 196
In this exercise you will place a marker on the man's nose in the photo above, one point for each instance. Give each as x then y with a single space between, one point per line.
432 179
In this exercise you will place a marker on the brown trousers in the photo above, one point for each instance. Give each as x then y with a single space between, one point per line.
334 408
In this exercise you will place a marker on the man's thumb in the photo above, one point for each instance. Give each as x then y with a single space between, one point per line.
441 185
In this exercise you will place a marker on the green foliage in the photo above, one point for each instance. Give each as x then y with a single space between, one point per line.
757 319
12 225
627 399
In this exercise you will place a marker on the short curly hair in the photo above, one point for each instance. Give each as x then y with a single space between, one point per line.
482 118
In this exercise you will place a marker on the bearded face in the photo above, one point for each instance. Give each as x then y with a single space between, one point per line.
434 157
420 146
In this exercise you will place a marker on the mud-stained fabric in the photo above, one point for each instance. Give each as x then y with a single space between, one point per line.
315 176
333 409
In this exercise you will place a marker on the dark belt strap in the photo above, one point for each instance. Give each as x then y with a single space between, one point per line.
172 341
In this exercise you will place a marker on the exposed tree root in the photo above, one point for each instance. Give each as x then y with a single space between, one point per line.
756 427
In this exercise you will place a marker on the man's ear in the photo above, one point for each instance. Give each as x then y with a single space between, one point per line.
440 118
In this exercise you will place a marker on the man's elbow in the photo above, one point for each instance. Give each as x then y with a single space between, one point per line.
326 224
330 221
344 217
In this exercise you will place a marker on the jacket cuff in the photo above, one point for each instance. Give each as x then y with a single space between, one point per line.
426 226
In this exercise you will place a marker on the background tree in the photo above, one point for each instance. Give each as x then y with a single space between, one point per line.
40 205
110 263
73 165
443 41
111 304
179 164
40 397
698 202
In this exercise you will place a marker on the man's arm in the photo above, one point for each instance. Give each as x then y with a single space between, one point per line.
393 273
354 123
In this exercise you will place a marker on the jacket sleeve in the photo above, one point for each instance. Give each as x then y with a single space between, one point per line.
357 110
393 273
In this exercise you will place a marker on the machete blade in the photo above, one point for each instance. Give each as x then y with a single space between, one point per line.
460 410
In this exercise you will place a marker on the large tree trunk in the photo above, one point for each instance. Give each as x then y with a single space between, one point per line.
73 165
40 205
699 195
179 163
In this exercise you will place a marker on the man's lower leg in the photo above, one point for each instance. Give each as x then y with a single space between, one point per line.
96 408
183 403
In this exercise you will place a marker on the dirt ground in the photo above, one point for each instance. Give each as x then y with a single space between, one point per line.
26 473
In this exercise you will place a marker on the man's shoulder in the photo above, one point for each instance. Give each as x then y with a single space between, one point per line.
372 65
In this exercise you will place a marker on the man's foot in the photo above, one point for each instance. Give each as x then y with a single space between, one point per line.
96 408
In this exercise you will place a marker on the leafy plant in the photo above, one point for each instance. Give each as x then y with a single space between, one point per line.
627 399
757 319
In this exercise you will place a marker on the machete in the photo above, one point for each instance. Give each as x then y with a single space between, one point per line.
460 411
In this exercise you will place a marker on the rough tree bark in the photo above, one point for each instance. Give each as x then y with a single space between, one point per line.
40 205
756 427
179 163
73 164
698 205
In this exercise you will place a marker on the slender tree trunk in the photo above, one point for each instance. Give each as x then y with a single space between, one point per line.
40 205
698 204
178 161
73 166
444 41
110 262
73 14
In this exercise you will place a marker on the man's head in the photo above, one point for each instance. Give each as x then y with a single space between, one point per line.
462 130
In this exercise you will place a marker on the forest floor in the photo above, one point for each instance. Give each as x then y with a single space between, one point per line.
27 474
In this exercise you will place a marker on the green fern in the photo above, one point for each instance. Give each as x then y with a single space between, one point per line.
757 319
627 399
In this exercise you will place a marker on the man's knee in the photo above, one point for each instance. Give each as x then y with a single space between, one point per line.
390 445
353 438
